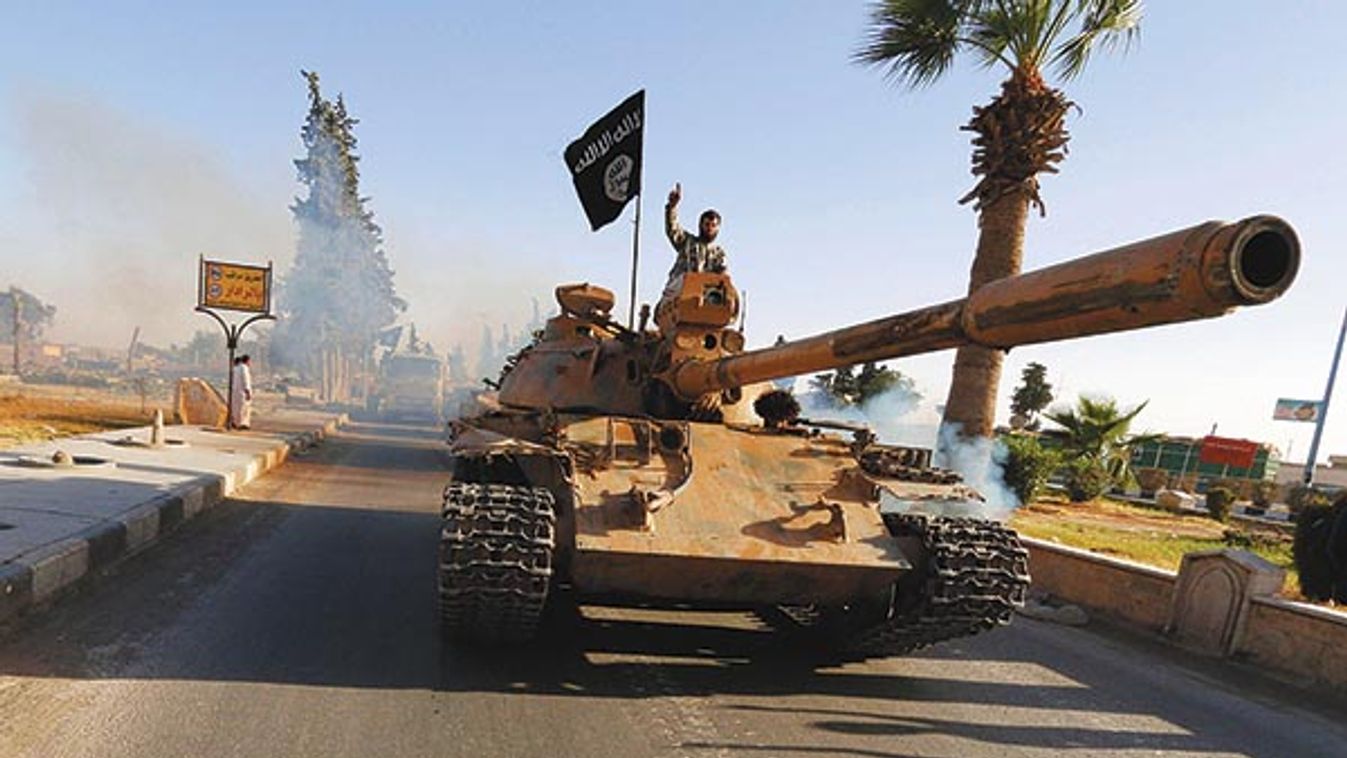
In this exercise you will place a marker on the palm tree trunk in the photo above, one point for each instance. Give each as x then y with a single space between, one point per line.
971 406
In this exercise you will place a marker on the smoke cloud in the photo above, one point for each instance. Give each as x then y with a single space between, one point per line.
114 213
898 416
110 212
901 417
981 462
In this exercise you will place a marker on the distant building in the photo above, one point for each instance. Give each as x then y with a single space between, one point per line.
1175 463
32 354
1331 476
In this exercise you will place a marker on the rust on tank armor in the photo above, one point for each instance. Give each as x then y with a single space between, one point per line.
628 466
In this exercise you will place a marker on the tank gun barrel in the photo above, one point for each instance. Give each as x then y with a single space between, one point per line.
1199 272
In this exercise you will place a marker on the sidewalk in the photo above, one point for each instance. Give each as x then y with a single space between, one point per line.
59 525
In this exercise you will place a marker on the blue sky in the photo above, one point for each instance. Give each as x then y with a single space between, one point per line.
135 136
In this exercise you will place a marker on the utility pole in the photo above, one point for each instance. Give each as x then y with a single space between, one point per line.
131 351
18 323
1323 407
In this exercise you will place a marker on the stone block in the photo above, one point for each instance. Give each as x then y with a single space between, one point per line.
142 526
196 402
1212 597
62 566
1174 500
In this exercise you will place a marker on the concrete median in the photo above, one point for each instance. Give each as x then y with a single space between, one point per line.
60 524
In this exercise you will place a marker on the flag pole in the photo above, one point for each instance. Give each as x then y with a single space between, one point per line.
635 262
1323 409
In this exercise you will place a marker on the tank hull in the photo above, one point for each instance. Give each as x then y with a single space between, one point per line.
758 518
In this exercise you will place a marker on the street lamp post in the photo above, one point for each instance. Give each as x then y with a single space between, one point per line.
1323 408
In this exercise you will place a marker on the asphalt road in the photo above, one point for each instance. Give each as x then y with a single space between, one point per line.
298 619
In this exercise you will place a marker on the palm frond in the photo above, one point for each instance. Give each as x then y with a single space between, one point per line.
1105 23
913 40
996 35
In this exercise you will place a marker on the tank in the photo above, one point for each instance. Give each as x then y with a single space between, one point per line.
628 466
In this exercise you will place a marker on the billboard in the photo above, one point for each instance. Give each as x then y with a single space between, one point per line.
1224 451
1298 410
234 287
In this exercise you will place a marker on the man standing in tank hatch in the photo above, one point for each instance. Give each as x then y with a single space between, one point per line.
695 252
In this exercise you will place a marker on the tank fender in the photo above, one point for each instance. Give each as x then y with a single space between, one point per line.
482 456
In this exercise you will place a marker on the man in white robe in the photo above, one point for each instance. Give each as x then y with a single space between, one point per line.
242 400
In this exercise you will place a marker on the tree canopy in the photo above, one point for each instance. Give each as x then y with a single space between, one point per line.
34 315
1033 395
340 291
847 386
1098 443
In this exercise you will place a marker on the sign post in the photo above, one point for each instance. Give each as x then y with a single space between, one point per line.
233 287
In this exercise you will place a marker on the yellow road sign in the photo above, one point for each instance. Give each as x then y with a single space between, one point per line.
235 287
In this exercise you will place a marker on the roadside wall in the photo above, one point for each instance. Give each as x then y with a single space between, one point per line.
1126 591
1303 640
1292 640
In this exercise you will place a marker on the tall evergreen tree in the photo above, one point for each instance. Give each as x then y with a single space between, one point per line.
340 292
1033 395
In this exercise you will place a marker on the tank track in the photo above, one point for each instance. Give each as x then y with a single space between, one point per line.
905 464
974 574
495 563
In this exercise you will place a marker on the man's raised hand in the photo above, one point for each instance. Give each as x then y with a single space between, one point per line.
675 194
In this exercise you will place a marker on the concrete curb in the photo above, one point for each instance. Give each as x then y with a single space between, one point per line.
40 576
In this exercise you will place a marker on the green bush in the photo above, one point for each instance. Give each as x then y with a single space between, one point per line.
1028 465
1251 540
1302 497
1219 501
1320 551
1087 479
1263 493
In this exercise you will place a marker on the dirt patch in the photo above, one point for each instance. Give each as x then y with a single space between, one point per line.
34 414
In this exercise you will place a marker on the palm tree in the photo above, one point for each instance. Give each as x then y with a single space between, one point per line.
1098 445
1020 134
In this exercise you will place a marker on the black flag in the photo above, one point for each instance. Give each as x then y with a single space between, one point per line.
605 163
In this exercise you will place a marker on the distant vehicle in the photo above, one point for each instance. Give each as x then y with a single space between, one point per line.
409 386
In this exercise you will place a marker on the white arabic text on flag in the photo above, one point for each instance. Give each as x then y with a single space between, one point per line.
605 163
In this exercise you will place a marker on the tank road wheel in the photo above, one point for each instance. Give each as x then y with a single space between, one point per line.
972 576
496 544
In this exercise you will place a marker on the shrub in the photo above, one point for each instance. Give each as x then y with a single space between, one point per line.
1151 480
1320 551
1028 465
1304 496
1238 487
1086 479
1263 493
1251 540
1219 501
777 408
